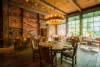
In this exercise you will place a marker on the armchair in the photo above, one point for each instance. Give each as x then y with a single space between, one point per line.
70 54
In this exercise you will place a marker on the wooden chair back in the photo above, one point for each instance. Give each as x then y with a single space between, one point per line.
45 54
35 50
34 43
75 49
72 41
76 38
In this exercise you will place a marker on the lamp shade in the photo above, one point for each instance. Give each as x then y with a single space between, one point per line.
90 33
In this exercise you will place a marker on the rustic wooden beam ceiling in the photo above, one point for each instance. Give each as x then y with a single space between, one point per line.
75 3
52 6
90 9
61 6
26 7
33 5
66 6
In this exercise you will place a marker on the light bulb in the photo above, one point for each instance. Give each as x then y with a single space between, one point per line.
26 0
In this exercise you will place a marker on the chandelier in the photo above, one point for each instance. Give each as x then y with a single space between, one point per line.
54 18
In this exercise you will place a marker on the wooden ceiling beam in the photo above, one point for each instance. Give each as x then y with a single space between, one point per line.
26 7
75 3
86 10
52 6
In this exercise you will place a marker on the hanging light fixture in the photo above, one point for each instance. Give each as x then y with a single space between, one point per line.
54 18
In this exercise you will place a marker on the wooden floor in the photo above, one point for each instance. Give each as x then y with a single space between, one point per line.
85 58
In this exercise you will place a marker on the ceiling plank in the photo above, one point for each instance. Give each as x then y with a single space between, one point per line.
50 5
26 7
75 3
86 10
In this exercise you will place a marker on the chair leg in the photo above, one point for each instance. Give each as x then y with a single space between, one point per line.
33 57
40 64
85 46
72 62
75 59
61 57
99 46
56 62
52 65
79 45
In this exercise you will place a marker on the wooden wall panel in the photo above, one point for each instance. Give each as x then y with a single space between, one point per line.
14 11
23 23
15 23
30 22
28 14
15 17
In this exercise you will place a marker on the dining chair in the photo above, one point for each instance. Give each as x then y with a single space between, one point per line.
70 54
82 41
72 41
35 49
47 56
17 45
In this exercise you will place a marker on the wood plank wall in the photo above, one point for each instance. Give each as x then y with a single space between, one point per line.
23 22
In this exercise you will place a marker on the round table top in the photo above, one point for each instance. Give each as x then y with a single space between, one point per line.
57 45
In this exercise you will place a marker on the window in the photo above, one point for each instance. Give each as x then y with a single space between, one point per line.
61 30
74 25
91 23
51 32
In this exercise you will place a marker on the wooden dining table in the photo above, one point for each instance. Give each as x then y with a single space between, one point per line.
57 46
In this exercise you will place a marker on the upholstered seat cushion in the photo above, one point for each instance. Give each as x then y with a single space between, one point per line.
83 43
68 54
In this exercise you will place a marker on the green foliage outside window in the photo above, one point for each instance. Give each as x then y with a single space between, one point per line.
74 25
91 23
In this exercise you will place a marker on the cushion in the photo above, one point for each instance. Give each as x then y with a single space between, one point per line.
68 54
